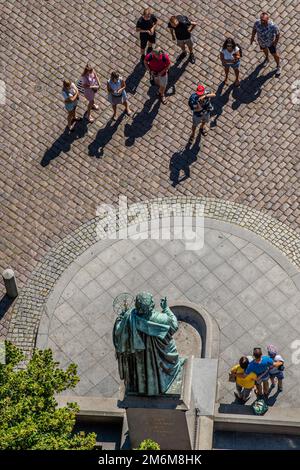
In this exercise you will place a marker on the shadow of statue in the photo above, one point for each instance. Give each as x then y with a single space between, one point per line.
219 103
5 304
182 160
103 137
65 141
133 80
142 121
251 87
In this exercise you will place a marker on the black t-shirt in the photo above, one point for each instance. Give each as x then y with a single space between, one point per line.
181 30
146 24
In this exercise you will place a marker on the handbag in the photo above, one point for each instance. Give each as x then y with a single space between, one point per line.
232 377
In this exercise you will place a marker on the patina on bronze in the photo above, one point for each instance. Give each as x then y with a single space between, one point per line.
146 352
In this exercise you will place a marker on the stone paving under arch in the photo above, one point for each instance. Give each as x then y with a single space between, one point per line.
247 286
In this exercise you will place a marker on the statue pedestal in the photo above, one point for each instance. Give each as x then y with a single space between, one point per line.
171 420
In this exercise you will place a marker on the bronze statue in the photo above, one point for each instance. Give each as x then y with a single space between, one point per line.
146 352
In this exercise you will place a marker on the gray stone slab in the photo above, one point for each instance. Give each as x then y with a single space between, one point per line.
81 278
64 312
251 251
184 282
249 296
204 385
135 257
96 373
238 261
173 270
107 279
275 298
233 330
226 249
147 269
211 282
196 294
276 275
250 273
120 268
95 267
78 301
92 290
109 256
236 284
160 258
108 387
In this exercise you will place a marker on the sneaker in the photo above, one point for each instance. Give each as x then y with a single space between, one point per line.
192 59
280 389
278 72
237 395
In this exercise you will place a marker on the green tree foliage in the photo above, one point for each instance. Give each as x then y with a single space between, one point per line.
29 417
148 444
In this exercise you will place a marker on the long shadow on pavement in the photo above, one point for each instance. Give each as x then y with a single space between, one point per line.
175 72
219 102
103 137
142 121
64 142
182 160
133 80
251 87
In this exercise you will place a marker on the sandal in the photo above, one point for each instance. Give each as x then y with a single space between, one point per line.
95 106
90 120
204 131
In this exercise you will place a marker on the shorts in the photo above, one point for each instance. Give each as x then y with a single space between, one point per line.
185 42
145 38
117 99
271 48
161 81
235 65
264 378
71 106
279 375
205 117
244 392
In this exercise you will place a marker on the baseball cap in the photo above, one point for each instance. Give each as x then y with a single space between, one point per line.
200 90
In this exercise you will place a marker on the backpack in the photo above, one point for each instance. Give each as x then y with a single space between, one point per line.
260 407
206 104
193 101
164 59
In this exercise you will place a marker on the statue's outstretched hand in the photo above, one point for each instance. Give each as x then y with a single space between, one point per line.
164 303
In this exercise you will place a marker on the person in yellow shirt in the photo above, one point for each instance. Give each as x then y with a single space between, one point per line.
244 385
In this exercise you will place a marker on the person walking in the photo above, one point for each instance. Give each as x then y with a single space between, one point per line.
276 372
230 55
181 30
146 26
267 37
158 64
200 104
90 82
116 88
71 97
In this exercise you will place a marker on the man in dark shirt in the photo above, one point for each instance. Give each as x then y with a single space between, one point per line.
181 28
146 27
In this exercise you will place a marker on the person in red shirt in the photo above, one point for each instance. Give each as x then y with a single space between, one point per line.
158 64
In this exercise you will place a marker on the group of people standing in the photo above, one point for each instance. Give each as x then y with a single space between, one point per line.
258 372
158 63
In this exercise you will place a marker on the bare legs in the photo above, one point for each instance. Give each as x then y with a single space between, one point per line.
237 75
71 119
127 109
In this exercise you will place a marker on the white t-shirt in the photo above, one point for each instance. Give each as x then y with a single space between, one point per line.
229 55
277 358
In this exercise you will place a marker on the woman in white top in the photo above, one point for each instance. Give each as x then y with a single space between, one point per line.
116 93
230 55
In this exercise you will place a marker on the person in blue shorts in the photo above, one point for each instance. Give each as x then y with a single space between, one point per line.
260 366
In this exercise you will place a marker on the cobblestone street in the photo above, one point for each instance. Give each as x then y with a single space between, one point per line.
51 183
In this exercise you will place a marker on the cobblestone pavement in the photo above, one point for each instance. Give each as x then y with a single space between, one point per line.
50 183
243 287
